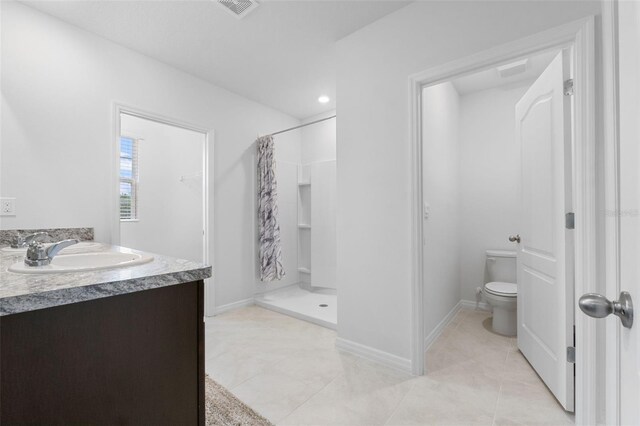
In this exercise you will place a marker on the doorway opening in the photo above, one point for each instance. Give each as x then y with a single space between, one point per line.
161 202
498 260
486 211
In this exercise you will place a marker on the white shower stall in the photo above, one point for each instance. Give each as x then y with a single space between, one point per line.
307 212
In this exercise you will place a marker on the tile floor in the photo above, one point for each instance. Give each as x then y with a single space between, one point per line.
289 371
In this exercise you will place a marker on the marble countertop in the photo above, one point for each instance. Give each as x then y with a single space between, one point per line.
29 292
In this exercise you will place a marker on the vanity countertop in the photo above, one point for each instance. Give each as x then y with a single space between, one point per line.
29 292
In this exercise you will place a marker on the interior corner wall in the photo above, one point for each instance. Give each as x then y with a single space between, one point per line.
441 191
59 84
374 151
490 175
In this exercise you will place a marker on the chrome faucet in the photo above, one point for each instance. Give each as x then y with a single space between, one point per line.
20 241
38 255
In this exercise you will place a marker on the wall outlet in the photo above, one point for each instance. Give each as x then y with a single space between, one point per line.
7 206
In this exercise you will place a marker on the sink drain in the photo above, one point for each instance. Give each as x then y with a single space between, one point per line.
323 305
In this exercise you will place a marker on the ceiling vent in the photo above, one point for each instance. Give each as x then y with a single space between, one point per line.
513 68
238 8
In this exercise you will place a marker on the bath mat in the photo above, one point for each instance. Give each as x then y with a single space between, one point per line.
224 409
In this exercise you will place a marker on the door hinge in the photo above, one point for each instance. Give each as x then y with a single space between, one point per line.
568 87
570 220
571 354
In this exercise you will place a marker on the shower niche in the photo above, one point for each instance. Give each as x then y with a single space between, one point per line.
317 224
304 225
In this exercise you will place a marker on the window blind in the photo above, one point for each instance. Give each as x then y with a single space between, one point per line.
128 178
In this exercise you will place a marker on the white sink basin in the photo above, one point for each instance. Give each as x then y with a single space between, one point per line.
84 262
81 247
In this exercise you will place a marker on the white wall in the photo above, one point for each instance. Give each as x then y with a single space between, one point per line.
169 211
318 141
58 88
489 180
374 157
441 164
323 225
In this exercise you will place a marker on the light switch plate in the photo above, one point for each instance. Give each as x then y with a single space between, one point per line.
427 210
7 206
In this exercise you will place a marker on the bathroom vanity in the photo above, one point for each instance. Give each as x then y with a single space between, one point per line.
115 346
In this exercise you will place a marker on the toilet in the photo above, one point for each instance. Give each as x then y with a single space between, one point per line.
501 291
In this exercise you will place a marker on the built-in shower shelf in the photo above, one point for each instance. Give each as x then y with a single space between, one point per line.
304 223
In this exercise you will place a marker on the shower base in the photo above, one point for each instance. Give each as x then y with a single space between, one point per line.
303 304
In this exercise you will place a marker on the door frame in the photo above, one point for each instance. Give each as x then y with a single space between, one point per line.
580 36
207 196
612 212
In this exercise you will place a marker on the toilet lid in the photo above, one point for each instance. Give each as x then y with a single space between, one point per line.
502 289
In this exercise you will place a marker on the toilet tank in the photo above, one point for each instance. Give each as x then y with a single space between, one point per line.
501 265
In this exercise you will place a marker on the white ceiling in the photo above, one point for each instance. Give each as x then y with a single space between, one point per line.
490 78
282 54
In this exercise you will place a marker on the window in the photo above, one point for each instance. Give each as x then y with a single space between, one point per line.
128 178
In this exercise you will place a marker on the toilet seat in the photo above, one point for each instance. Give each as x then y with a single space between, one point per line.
502 289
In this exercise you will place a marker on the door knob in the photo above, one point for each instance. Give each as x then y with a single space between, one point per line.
597 306
514 238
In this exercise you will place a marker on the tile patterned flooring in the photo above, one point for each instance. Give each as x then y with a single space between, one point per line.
290 371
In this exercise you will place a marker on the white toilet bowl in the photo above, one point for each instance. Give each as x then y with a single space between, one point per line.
503 300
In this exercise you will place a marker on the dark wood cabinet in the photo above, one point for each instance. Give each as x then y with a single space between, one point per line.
132 359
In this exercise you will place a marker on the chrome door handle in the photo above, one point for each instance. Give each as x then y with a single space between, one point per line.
597 306
514 238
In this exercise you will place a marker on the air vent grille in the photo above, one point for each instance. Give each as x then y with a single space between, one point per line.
514 68
238 8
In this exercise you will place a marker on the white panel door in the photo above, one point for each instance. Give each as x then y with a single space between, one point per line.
629 213
545 284
323 224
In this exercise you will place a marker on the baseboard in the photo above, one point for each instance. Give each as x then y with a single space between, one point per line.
235 305
437 331
375 355
483 306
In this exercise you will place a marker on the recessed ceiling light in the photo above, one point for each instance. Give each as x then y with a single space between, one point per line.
323 99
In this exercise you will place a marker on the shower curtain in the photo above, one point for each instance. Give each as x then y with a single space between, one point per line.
270 255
